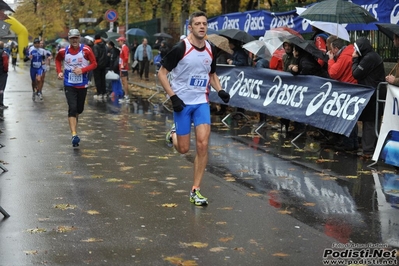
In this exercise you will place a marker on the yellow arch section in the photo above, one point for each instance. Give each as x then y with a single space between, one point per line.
22 33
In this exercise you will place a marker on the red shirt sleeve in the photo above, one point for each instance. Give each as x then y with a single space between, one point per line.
58 60
5 62
87 53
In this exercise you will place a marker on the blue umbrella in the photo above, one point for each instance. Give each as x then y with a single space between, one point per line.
137 32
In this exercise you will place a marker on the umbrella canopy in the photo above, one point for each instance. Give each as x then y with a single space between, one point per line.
137 32
336 29
256 47
274 39
388 29
307 46
163 35
238 35
332 28
338 11
220 42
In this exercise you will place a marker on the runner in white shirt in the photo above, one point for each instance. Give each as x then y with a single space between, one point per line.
192 65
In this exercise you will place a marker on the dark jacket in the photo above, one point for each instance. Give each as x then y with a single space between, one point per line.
307 65
100 52
163 49
240 57
368 69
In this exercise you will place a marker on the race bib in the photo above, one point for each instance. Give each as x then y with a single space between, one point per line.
198 81
37 64
74 79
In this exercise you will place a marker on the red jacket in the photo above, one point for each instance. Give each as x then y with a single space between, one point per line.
341 68
5 61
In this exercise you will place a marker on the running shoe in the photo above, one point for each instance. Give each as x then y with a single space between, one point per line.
197 198
124 100
168 138
39 94
75 141
33 96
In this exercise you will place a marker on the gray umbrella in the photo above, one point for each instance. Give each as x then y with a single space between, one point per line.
388 29
338 11
163 35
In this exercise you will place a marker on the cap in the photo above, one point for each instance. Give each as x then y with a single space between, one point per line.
123 39
182 37
97 37
73 33
36 40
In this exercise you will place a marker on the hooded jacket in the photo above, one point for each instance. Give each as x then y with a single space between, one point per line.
340 68
368 69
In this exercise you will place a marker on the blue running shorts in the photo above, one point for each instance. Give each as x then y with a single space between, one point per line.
197 114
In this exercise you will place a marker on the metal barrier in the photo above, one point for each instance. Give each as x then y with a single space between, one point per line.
377 117
158 89
2 211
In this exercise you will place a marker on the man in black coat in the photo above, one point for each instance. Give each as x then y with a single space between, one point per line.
368 69
100 52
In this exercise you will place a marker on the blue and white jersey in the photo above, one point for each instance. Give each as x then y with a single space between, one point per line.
37 57
70 63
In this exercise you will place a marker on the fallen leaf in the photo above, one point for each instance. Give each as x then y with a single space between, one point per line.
65 206
309 204
97 176
218 249
351 176
64 229
280 254
284 212
226 208
92 239
92 212
229 179
226 239
125 168
31 252
125 186
36 230
254 195
114 180
240 249
223 223
194 244
154 193
169 205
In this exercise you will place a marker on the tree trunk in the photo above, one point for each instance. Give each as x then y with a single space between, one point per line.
230 6
185 8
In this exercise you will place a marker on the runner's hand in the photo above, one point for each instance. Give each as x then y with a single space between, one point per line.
177 103
224 96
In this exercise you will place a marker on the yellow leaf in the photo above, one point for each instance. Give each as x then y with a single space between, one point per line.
169 205
92 239
65 206
254 195
92 212
218 249
226 208
309 204
284 212
154 193
185 167
97 176
351 176
114 180
36 230
31 252
125 186
64 229
223 223
280 254
226 239
229 179
125 168
194 244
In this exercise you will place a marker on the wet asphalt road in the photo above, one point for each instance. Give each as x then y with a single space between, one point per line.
121 198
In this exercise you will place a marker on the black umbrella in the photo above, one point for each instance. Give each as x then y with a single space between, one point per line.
5 6
307 46
238 35
163 35
338 11
388 29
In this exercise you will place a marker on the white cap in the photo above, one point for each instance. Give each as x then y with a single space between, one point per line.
182 37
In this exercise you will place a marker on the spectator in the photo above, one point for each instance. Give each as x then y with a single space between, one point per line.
306 64
133 51
320 40
100 52
144 55
368 69
393 76
340 68
3 74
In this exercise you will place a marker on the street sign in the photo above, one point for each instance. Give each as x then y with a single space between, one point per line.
111 15
87 20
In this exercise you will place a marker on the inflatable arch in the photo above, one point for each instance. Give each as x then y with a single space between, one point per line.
22 33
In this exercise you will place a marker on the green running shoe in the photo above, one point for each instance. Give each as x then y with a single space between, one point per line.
197 198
